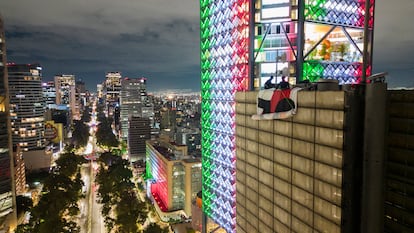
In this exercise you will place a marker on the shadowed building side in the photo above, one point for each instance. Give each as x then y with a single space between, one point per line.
399 180
8 218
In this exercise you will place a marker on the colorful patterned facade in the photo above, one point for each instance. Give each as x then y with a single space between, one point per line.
333 38
349 16
224 59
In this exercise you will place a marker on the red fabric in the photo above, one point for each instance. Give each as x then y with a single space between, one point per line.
277 96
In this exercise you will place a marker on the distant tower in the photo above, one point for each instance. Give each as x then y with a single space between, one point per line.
133 102
66 93
80 95
27 106
49 94
112 90
139 130
7 194
243 43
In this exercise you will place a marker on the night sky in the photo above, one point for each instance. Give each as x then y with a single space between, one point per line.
157 39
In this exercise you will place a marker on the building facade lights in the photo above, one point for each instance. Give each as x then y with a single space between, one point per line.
243 43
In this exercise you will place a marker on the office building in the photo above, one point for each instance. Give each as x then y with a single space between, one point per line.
7 196
27 106
301 174
191 137
81 95
168 119
338 165
99 90
66 94
133 103
245 42
19 171
139 131
399 179
173 180
112 90
49 94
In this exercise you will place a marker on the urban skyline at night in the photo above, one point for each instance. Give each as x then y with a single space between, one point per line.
247 116
161 45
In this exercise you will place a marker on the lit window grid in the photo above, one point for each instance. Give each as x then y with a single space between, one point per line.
178 184
5 180
27 110
224 57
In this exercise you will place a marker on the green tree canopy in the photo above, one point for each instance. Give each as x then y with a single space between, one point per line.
23 203
154 228
104 134
80 134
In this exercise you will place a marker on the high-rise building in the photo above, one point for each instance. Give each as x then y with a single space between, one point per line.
399 179
49 94
139 131
245 42
112 90
19 171
66 93
190 137
99 90
81 95
7 196
301 174
133 102
27 106
173 180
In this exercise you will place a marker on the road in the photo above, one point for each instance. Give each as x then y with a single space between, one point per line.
91 220
97 221
91 217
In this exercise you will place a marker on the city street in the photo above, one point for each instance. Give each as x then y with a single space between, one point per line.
91 218
96 220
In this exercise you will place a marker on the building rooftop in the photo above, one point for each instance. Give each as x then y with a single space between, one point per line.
193 160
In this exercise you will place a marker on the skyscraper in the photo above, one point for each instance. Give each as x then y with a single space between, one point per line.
133 102
112 90
302 174
66 93
7 197
139 130
49 94
27 106
245 42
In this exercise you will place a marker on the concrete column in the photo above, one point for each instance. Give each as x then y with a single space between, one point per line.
374 155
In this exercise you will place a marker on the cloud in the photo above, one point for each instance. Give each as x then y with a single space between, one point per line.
155 38
138 38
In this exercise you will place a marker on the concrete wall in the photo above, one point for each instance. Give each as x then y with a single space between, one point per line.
289 172
37 160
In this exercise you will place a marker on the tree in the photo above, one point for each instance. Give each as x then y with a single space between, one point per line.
80 134
59 201
117 195
86 116
104 134
154 228
23 203
24 228
68 163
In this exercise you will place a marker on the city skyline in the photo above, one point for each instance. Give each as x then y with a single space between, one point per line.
146 39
